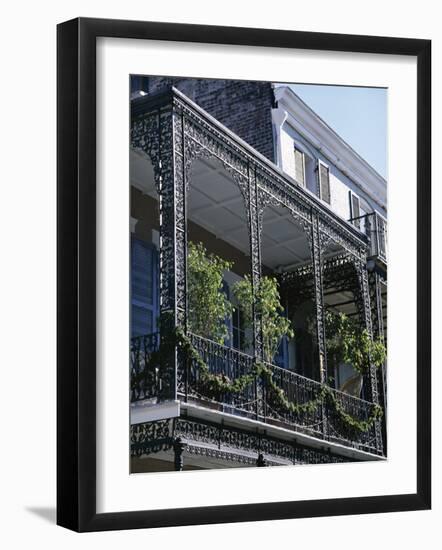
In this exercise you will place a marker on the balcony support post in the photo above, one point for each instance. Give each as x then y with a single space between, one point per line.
159 135
178 449
255 260
261 461
255 257
316 252
377 318
362 297
363 302
319 297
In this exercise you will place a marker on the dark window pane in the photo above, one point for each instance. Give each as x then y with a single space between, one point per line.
299 167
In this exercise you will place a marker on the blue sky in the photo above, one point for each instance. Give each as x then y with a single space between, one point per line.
358 115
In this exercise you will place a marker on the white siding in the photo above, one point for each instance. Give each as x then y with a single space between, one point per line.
340 184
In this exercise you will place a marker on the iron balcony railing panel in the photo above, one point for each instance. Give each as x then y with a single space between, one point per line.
310 415
145 382
341 432
227 364
374 226
258 398
320 418
299 390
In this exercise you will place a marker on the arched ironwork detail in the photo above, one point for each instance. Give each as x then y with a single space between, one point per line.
145 137
265 199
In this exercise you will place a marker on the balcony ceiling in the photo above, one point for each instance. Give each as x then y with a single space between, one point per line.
216 204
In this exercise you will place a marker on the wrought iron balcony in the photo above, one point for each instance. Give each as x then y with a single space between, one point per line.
175 142
322 419
374 226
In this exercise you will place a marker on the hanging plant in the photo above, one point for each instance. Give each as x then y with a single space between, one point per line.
268 305
208 306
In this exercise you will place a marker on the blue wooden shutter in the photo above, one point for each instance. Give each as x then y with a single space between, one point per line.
144 288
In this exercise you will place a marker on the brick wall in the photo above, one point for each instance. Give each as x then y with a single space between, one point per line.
243 106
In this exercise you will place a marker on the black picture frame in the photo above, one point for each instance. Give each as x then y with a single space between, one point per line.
76 272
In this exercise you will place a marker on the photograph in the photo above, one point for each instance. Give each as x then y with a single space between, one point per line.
199 233
258 274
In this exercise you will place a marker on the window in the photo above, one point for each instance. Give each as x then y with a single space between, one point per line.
235 325
324 182
144 288
238 332
355 209
300 167
381 228
281 358
348 380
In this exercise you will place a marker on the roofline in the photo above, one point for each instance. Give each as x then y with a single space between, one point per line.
309 124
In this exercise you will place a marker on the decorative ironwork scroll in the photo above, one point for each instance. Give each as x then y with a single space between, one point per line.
365 311
377 314
375 282
319 299
155 134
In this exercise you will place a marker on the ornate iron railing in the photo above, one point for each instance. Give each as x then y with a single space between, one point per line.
296 389
321 419
258 398
227 363
375 227
340 432
144 375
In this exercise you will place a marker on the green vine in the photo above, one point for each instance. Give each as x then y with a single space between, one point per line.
280 399
325 393
267 301
350 421
216 384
